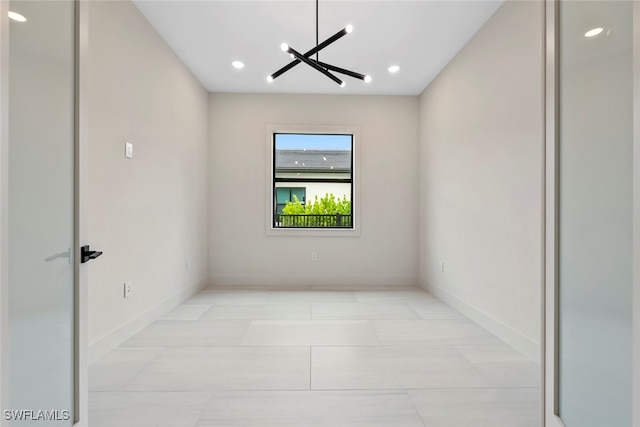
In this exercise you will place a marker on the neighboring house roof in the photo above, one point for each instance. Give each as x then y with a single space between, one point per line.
329 161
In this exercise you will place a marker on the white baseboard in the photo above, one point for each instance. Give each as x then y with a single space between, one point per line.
113 339
315 282
510 336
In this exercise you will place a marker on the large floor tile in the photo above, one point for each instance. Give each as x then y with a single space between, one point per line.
126 409
432 332
311 296
265 311
225 368
478 407
362 310
504 366
312 409
320 358
405 295
192 333
434 309
118 367
227 297
186 312
309 333
361 287
376 368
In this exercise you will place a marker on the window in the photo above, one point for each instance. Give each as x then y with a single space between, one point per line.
286 195
312 180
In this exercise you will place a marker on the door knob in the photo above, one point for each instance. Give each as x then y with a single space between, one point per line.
86 254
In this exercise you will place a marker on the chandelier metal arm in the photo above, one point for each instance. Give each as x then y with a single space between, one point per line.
343 32
311 52
284 69
341 70
314 65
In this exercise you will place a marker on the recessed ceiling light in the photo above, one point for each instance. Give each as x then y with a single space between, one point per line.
593 32
394 69
237 64
17 17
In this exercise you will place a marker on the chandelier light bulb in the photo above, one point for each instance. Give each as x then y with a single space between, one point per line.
349 28
284 47
367 79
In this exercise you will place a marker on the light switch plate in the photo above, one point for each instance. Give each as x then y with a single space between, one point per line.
128 150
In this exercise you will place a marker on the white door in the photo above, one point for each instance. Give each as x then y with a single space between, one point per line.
591 218
42 260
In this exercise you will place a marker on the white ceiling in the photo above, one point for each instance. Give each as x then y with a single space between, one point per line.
421 36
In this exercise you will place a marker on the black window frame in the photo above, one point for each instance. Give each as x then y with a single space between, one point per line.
295 182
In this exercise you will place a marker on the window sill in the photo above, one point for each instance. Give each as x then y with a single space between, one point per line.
313 232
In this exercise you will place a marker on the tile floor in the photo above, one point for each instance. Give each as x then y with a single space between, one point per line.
314 358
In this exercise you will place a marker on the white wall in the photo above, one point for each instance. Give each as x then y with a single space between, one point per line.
320 190
241 254
481 177
148 214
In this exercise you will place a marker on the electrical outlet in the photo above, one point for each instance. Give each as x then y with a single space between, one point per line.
127 289
314 256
